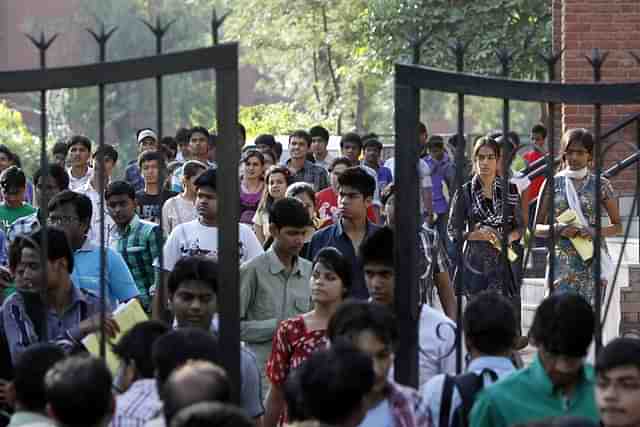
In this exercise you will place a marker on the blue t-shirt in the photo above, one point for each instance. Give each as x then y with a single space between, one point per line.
86 273
380 416
385 177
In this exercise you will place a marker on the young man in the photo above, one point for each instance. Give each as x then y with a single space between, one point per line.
264 142
57 181
151 198
138 241
147 141
79 392
274 286
72 213
92 191
372 329
372 150
27 388
302 170
539 140
489 332
59 152
71 313
199 150
182 208
558 382
13 185
139 401
319 142
443 175
355 195
7 158
618 383
436 332
182 139
78 160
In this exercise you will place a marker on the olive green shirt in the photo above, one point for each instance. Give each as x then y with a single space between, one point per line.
268 295
529 395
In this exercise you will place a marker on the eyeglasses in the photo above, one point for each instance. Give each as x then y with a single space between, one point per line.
62 220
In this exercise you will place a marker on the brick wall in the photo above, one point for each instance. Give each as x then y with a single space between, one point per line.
612 26
630 303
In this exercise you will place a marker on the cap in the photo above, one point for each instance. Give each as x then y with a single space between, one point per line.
147 133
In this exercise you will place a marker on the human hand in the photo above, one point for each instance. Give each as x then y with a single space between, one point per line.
92 324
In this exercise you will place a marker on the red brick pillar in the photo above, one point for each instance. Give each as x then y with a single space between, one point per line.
612 26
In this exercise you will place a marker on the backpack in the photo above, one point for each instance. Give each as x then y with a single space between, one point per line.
468 385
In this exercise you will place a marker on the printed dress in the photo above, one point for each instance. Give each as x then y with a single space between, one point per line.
571 272
293 343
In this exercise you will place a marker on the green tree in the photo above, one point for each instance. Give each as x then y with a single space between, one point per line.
15 135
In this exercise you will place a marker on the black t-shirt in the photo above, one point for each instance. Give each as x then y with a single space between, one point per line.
150 205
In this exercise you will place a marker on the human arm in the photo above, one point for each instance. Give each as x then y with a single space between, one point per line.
323 180
446 295
274 406
171 254
257 227
252 331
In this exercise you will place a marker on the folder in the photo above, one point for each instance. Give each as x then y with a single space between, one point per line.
127 315
583 245
511 254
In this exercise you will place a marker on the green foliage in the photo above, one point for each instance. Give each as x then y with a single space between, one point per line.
15 135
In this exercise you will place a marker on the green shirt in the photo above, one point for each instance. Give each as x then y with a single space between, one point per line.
529 395
9 215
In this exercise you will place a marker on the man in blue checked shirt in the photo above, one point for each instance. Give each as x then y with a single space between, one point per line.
138 241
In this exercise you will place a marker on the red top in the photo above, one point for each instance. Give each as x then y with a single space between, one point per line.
327 207
534 188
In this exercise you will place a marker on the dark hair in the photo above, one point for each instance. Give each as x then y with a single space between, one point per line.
55 171
108 151
58 245
359 179
16 161
182 136
15 252
277 150
266 201
455 138
265 139
435 140
252 153
333 259
175 348
60 147
355 316
169 141
207 179
79 391
289 212
30 369
301 188
199 129
319 131
135 345
301 134
372 142
378 247
13 176
211 414
192 167
333 382
81 204
80 139
489 322
563 324
120 188
422 128
618 353
242 131
351 137
388 192
271 154
200 268
7 152
580 135
539 128
340 161
193 383
149 156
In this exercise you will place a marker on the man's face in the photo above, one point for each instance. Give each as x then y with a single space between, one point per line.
108 163
298 148
14 196
194 304
5 162
335 174
389 211
78 155
148 144
289 240
380 282
381 355
66 218
47 190
436 151
263 148
618 396
424 137
207 203
352 203
121 208
199 145
562 370
318 145
351 150
32 274
537 139
372 155
150 171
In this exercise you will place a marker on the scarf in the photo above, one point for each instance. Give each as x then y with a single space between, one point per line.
492 215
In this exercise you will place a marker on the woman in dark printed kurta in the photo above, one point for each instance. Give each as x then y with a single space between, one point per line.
298 337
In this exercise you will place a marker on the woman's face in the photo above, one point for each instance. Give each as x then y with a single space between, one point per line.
277 185
486 162
326 285
309 205
268 161
576 156
253 168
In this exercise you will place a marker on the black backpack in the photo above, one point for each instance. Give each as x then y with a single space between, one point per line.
468 385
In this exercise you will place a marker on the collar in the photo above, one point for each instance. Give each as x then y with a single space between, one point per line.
73 178
132 224
544 382
306 165
87 246
276 266
340 231
495 363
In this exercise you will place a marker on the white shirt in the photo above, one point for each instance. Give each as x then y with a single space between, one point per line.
380 416
437 340
177 210
109 225
75 184
424 171
193 238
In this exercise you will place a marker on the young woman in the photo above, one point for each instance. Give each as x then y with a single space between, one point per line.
574 189
251 185
278 179
296 338
269 159
304 192
181 208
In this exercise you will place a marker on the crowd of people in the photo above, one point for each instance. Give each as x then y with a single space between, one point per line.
317 286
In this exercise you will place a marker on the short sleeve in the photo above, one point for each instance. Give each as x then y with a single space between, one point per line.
424 172
279 362
171 250
250 243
